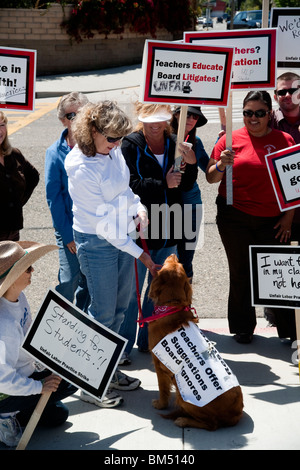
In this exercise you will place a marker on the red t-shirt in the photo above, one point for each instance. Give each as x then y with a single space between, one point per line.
253 192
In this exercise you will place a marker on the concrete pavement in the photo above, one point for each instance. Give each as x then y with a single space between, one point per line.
269 378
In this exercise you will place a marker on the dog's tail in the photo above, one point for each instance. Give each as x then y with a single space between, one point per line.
178 413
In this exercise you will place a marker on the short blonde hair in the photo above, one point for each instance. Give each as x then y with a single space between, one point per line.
106 117
5 146
148 109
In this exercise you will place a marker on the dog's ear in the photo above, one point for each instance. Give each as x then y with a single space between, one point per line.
155 289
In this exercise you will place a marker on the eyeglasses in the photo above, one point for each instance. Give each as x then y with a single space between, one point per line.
286 90
28 270
192 115
70 116
260 113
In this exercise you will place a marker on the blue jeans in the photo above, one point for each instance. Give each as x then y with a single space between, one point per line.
72 282
129 326
25 405
109 274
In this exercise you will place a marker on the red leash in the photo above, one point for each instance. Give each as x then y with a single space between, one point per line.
138 295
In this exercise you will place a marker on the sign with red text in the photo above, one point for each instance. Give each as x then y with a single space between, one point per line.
176 73
17 78
287 22
254 63
275 276
73 345
284 171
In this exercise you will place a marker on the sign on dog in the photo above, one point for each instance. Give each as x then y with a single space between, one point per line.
200 372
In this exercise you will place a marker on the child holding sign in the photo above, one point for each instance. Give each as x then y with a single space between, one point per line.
21 384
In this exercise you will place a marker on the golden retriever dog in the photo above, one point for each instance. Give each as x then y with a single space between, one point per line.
171 287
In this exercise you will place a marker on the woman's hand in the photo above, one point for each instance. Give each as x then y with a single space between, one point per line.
284 225
187 153
173 179
72 247
147 261
226 158
142 220
51 383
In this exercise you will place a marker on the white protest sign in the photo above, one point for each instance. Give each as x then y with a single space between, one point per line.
176 73
200 372
275 276
17 78
74 345
284 171
287 21
254 63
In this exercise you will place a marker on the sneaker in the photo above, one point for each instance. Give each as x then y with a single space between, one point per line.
124 361
10 431
122 381
111 399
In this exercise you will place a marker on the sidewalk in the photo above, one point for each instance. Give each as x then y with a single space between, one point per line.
118 78
270 384
264 368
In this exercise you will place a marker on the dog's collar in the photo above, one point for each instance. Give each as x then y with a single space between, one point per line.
164 310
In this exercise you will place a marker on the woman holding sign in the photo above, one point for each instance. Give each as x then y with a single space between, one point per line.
21 384
149 153
254 218
191 199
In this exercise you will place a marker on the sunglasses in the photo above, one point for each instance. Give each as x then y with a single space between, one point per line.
192 115
28 270
70 116
260 113
111 140
286 90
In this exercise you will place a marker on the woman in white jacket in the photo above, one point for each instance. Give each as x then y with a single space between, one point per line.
104 209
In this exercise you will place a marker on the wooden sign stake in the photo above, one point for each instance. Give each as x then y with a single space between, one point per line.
181 128
229 192
32 423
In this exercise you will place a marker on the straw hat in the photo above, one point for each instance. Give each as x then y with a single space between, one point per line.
16 257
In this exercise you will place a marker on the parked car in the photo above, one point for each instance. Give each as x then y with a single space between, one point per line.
247 20
200 19
208 23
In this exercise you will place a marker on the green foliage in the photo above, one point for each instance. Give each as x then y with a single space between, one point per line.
141 16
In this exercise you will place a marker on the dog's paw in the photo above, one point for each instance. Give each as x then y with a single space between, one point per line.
181 422
159 405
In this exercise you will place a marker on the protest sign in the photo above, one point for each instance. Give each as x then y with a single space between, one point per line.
284 171
275 276
254 64
200 372
74 345
176 73
17 78
287 22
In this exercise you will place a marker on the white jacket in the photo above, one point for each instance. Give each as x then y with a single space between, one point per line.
16 365
103 202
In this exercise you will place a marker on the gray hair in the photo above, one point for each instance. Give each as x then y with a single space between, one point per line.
74 98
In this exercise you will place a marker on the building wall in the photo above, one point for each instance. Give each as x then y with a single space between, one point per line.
56 54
